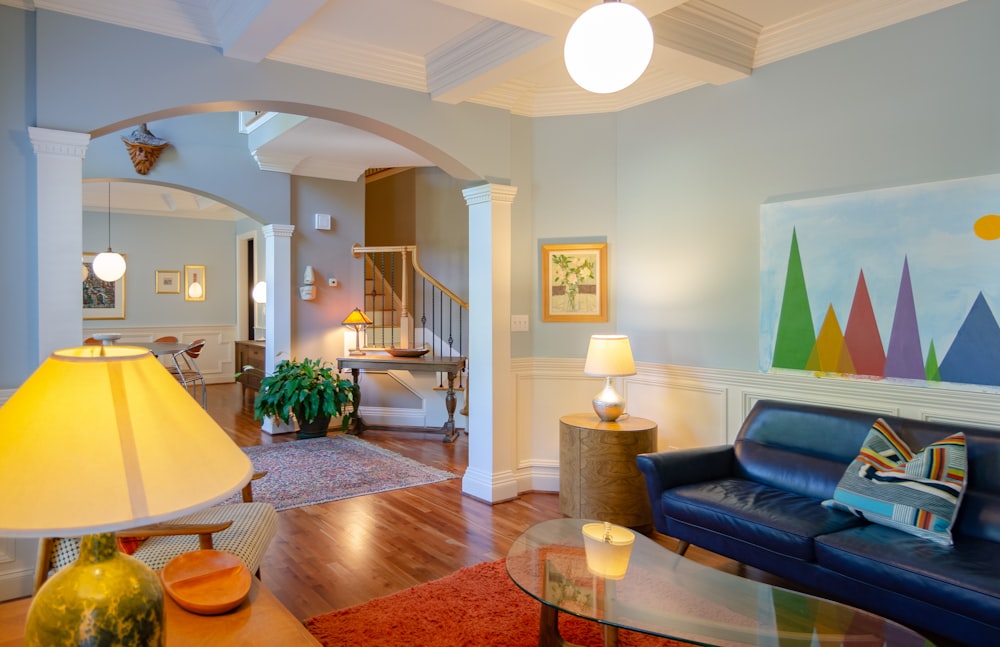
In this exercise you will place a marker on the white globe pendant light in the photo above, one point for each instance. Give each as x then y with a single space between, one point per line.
109 266
608 47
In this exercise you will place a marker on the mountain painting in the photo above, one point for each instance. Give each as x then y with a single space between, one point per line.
900 284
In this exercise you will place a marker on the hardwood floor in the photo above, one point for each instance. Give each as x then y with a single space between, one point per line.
343 553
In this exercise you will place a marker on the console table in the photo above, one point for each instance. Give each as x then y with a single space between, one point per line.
427 364
261 621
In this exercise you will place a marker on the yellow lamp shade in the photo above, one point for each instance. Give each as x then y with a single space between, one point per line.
101 438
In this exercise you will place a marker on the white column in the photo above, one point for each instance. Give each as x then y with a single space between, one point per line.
490 475
59 180
277 315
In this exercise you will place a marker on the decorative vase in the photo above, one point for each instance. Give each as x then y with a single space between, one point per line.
103 598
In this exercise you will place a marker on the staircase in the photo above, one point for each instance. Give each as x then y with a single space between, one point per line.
411 309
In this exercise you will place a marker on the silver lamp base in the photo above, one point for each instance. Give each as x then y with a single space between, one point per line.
608 404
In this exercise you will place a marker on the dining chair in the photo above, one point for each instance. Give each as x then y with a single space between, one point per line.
186 371
244 529
167 339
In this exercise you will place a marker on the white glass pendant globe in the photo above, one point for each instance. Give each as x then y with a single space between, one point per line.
608 47
109 266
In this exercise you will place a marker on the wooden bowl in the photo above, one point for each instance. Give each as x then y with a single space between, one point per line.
207 582
407 352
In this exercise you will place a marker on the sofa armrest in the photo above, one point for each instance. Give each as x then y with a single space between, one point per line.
665 470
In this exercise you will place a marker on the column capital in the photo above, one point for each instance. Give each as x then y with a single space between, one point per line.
489 193
58 142
278 231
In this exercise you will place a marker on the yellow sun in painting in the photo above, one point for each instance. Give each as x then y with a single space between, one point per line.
988 227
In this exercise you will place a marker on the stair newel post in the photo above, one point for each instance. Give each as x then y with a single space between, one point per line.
405 323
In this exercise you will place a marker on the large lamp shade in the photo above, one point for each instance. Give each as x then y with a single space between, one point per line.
101 438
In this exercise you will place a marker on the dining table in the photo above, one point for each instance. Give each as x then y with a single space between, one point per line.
159 348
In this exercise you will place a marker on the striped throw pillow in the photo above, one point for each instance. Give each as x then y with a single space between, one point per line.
917 492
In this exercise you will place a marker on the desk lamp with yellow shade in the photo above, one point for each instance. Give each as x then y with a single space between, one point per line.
100 439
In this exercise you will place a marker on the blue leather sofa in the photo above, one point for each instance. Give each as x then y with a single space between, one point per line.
759 502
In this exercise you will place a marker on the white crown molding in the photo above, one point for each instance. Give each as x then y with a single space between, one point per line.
722 42
836 22
276 162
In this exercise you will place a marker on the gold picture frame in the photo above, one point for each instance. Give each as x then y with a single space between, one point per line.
194 283
101 299
168 281
575 282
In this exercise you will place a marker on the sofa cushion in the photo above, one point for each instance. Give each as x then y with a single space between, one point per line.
914 491
961 578
758 514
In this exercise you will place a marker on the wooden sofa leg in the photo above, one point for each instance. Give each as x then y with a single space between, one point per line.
682 547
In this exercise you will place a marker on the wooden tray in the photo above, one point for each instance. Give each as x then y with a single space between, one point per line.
208 582
407 352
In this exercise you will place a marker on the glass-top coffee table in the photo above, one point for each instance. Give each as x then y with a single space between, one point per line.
665 594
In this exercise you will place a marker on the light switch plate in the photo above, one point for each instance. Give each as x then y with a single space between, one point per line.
519 323
323 221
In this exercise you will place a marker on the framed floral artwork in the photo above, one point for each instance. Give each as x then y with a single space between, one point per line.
101 299
575 282
168 282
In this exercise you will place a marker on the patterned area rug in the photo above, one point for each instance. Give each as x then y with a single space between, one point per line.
476 606
306 472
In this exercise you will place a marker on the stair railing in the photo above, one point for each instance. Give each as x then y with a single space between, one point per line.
407 291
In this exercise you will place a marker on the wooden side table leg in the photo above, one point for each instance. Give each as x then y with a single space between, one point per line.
450 434
357 425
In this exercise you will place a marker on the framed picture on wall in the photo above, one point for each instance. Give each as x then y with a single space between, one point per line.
101 299
168 281
575 282
194 283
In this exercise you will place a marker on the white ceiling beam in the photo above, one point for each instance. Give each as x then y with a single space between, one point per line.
705 42
249 30
479 59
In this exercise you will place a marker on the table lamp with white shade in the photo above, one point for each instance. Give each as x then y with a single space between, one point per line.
100 439
609 356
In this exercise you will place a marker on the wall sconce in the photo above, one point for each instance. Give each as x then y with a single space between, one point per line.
609 356
259 296
608 47
359 321
195 290
308 291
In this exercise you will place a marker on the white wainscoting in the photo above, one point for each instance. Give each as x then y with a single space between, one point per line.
218 359
696 407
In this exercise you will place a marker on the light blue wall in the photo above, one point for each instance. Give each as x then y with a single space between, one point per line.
17 197
318 331
674 186
913 103
152 243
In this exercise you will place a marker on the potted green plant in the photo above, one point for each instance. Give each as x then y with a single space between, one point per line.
309 390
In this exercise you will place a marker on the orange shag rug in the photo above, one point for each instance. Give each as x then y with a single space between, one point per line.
476 606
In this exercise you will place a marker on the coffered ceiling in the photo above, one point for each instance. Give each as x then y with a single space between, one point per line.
505 54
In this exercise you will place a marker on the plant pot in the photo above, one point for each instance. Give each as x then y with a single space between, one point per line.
314 428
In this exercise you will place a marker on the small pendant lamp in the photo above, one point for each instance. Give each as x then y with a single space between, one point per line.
109 266
608 47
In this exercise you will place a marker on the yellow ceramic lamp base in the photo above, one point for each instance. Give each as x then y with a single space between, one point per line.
103 598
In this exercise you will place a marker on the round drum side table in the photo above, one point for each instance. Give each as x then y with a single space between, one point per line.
598 475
